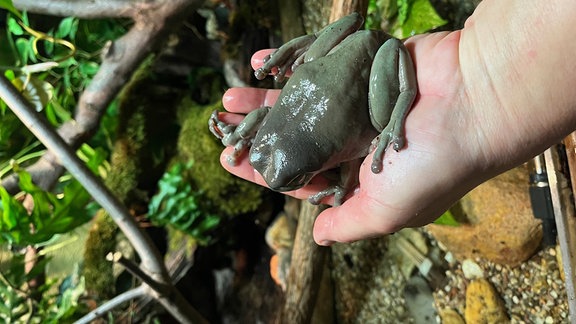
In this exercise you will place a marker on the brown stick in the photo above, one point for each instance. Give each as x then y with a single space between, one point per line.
305 269
83 9
570 143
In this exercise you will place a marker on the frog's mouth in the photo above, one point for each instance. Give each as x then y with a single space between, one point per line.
296 183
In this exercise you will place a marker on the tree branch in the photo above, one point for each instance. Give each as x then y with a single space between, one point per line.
306 269
84 9
119 61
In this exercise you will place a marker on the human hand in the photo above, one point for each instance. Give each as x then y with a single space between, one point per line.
406 192
479 112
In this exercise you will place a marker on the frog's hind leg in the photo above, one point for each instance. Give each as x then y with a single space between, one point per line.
285 58
240 136
392 69
308 48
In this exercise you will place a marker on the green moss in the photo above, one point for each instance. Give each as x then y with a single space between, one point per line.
145 141
97 271
228 194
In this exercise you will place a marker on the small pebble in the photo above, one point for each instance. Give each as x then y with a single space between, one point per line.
472 270
515 299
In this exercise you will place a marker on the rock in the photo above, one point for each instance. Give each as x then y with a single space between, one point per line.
499 224
472 270
450 316
419 301
483 304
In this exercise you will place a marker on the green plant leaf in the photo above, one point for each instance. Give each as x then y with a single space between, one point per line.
88 69
13 220
403 10
422 17
52 214
14 27
7 4
24 50
447 219
67 28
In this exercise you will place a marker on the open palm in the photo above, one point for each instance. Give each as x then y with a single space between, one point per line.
412 188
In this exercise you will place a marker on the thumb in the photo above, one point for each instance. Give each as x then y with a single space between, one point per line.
358 218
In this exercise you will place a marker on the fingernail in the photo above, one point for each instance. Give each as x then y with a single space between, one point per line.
227 97
326 243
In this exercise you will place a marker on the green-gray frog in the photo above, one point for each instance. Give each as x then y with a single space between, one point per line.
349 94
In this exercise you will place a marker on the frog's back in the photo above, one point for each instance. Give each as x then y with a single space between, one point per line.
324 105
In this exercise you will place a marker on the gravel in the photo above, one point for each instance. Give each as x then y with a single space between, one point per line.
533 292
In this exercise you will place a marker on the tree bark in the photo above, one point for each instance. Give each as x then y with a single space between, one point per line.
341 8
305 270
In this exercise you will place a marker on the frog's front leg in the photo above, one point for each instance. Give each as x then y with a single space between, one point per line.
392 90
309 47
240 136
349 172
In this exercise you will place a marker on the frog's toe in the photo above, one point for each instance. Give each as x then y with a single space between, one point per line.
261 73
376 164
398 142
219 128
337 191
379 146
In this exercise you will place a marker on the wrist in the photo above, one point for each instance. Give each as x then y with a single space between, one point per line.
517 76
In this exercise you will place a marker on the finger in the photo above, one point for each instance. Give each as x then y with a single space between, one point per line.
358 218
244 170
244 100
258 58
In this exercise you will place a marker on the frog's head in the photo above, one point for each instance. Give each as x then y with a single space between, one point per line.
285 168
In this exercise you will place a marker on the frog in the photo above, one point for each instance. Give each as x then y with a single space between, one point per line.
349 94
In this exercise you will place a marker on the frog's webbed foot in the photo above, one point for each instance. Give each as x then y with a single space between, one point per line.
240 136
392 134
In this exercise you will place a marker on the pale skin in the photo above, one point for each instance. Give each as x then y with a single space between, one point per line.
491 96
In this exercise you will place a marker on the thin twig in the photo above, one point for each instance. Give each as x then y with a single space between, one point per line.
134 270
113 303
